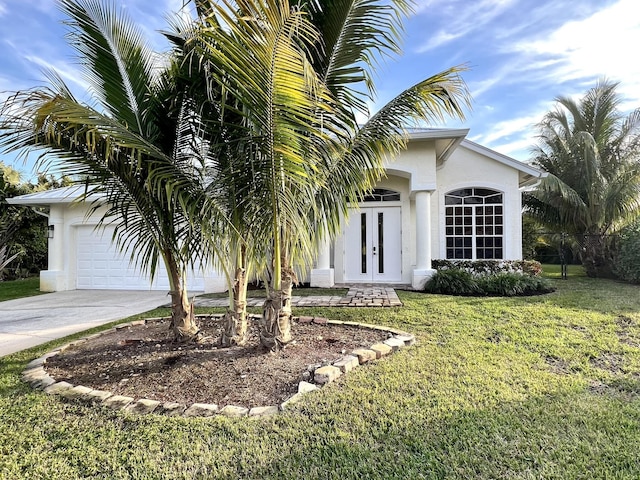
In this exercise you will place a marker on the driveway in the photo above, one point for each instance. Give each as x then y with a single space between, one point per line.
26 322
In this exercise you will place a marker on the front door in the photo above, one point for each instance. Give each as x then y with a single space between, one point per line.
373 245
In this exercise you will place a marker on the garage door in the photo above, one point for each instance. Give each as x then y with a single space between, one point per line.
100 266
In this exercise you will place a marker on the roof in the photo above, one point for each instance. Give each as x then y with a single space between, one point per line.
50 197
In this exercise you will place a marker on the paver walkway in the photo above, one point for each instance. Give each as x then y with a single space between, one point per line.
357 296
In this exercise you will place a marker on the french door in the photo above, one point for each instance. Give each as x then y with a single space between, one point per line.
373 245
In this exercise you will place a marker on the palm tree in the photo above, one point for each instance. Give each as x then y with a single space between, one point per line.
139 149
296 70
592 154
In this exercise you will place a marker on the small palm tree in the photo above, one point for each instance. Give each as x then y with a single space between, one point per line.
295 71
139 149
592 154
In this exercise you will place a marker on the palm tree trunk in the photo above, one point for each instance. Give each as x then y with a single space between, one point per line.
595 259
183 321
275 331
235 320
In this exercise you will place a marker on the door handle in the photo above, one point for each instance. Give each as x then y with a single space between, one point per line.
374 250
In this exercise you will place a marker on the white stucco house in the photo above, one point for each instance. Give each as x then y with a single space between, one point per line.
444 197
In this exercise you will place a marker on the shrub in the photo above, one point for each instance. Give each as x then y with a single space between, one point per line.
626 262
514 284
453 282
487 267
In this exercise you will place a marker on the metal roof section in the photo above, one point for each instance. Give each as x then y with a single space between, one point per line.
51 197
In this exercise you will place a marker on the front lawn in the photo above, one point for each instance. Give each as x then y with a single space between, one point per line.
543 387
27 287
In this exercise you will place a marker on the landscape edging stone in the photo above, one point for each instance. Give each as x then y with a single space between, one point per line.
36 375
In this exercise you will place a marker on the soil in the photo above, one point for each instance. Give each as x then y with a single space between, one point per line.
142 361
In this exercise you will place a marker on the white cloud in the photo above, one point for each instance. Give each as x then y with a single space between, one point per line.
597 46
519 149
3 9
460 18
512 126
515 136
64 69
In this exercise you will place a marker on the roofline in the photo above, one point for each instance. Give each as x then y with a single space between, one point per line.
44 198
438 133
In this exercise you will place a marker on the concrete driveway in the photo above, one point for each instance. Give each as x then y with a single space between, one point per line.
26 322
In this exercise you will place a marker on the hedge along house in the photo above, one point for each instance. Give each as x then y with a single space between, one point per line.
444 197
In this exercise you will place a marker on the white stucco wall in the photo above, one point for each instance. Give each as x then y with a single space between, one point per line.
418 164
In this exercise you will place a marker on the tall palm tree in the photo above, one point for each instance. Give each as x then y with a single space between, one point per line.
592 154
301 73
139 149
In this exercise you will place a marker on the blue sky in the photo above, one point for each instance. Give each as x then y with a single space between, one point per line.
521 54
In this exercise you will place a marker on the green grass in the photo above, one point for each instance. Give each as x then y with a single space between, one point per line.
541 387
19 288
554 271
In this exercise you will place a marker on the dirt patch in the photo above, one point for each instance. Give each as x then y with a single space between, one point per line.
625 333
558 365
611 362
625 322
142 361
497 337
628 387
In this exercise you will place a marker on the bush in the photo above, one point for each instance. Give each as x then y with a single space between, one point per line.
487 267
454 281
626 262
514 284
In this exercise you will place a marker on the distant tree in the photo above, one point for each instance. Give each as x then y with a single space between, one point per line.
22 230
626 261
592 154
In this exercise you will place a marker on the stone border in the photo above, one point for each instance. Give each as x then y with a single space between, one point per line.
36 375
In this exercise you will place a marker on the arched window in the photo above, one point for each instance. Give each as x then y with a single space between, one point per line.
474 224
382 195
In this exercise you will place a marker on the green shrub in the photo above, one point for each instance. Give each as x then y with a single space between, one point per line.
488 267
453 282
514 284
626 262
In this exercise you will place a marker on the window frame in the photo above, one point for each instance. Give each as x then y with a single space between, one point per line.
476 226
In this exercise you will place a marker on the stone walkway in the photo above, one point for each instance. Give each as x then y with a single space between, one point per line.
357 296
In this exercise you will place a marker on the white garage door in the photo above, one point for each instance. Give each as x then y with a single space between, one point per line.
100 266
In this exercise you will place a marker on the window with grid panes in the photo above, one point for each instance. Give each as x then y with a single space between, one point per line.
474 224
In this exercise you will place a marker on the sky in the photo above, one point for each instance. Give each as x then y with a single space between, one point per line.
520 55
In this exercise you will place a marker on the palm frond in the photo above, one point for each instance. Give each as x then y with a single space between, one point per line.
114 58
356 35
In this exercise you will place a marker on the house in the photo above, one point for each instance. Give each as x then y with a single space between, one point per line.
444 197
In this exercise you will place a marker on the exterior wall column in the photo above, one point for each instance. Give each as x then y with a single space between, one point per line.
423 270
323 275
54 279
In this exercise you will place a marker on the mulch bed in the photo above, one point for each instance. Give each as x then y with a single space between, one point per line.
142 361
